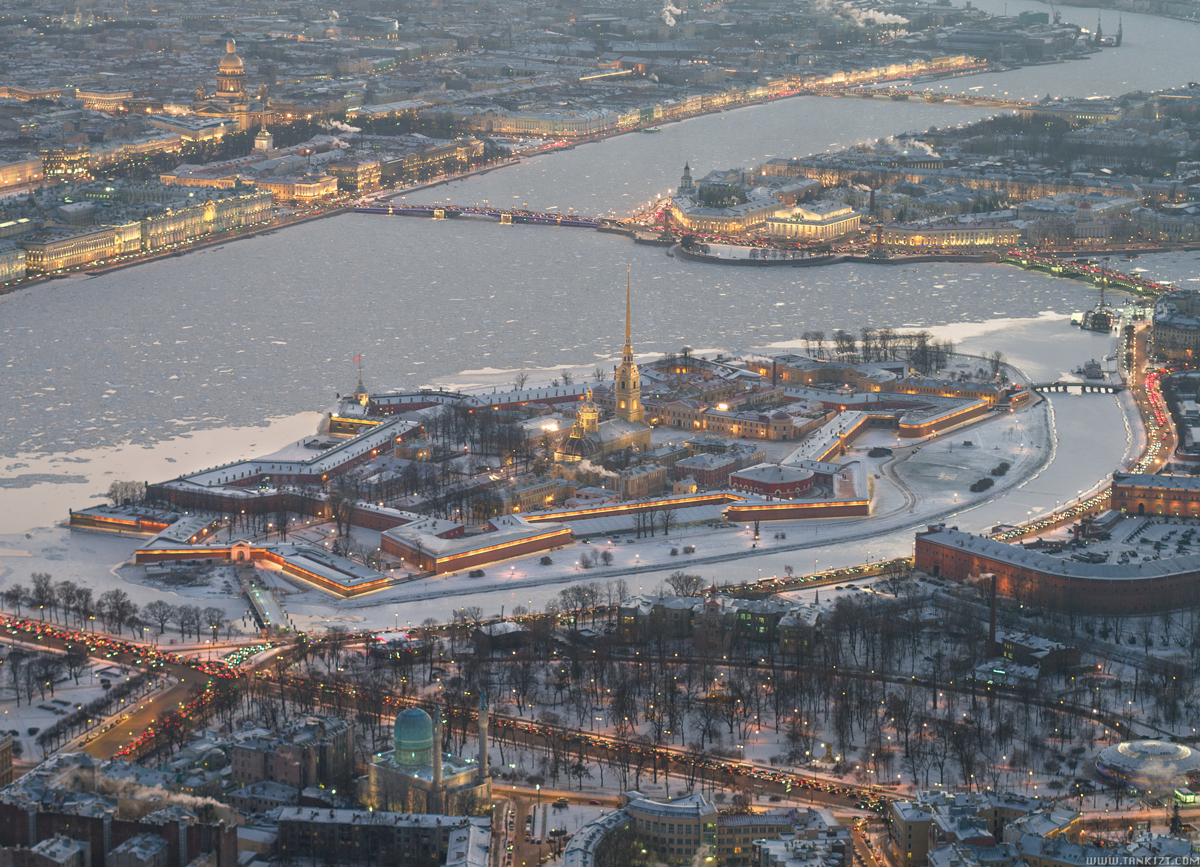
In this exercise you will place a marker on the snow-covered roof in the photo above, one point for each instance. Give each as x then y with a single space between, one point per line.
505 528
773 474
293 462
1145 480
335 816
1047 564
691 807
581 851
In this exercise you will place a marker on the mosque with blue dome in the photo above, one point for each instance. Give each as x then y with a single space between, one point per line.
419 776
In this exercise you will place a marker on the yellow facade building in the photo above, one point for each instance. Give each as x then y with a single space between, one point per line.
734 220
298 190
815 221
12 263
21 172
103 100
66 162
54 250
952 235
209 215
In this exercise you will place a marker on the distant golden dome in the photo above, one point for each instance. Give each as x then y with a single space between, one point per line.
231 62
231 76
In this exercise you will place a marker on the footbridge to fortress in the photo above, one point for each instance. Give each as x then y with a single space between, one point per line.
1069 387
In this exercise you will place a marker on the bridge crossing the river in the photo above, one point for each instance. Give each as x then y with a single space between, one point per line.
507 216
1084 269
1077 387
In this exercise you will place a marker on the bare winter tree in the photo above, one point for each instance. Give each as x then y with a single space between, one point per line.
685 584
41 596
125 492
159 612
13 597
188 618
519 380
666 519
214 619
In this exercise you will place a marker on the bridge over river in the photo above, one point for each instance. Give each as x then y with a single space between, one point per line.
1077 387
1083 269
508 216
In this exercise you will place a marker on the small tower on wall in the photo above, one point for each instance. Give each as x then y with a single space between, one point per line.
264 141
360 391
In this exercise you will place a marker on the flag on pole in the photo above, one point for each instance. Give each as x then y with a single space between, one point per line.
358 358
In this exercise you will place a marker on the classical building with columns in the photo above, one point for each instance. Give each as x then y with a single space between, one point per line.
232 98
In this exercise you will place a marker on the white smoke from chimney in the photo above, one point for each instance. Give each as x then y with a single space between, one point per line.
588 467
669 11
858 16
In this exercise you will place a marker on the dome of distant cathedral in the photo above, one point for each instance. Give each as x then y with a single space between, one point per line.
231 63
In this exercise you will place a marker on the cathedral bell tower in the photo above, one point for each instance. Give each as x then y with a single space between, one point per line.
588 415
686 185
628 391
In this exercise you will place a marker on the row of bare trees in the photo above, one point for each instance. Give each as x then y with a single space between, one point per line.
647 521
883 344
885 699
90 715
188 619
73 605
76 604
